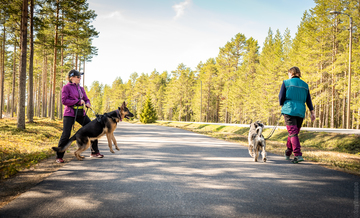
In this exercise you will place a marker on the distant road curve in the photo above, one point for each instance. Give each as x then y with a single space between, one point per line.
340 131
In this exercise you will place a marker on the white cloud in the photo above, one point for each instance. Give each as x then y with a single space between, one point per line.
115 14
180 8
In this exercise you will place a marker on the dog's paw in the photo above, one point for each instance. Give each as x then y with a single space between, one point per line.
112 151
79 158
264 160
117 148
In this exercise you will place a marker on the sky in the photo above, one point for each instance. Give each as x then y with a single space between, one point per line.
146 35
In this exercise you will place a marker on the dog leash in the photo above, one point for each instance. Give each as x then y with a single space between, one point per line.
274 128
98 118
77 107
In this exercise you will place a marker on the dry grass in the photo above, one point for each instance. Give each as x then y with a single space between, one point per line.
335 151
21 149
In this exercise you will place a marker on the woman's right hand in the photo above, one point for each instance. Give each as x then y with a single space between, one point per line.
82 102
312 116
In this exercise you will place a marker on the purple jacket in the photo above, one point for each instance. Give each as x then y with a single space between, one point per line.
70 97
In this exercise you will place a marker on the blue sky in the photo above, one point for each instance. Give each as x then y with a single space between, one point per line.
143 35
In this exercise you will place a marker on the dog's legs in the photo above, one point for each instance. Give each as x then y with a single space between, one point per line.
109 137
263 153
82 148
256 155
114 141
256 152
251 150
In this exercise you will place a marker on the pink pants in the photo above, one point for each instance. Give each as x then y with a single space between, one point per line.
293 143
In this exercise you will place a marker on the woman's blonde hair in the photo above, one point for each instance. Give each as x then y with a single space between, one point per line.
295 71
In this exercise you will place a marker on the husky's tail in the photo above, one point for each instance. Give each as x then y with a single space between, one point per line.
63 149
259 130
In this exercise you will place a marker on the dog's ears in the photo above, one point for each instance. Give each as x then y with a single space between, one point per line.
123 106
253 125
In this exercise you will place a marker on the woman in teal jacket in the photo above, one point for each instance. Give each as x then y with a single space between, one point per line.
294 93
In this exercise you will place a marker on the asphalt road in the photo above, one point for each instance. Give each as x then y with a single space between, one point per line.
168 172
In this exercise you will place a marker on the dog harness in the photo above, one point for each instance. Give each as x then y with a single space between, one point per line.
117 116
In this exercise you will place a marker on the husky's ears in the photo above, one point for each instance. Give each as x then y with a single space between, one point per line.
253 125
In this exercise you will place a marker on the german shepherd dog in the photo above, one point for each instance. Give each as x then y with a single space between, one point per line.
104 124
257 141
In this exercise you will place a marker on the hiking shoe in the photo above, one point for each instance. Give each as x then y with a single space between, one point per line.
98 155
287 157
59 160
297 159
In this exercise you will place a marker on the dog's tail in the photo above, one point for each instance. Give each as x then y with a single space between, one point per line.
63 149
259 130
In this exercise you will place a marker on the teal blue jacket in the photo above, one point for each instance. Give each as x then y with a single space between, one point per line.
293 95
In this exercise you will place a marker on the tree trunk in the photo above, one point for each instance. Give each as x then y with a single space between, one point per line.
13 83
39 109
52 115
353 114
343 124
208 104
326 122
49 108
30 105
217 108
84 72
22 76
60 113
358 119
76 62
8 104
2 76
44 90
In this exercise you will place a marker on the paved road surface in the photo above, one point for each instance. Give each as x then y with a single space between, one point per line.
168 172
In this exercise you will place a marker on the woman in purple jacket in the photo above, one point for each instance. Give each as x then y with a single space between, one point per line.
74 97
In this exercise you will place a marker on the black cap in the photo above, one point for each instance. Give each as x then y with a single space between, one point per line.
75 73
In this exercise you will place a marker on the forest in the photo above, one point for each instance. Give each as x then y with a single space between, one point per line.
241 84
41 40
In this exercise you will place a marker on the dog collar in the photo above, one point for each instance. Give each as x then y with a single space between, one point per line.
118 113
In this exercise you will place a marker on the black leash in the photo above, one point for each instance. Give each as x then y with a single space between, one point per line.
77 107
73 126
98 117
274 128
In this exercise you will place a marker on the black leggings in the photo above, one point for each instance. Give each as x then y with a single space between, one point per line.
67 126
293 121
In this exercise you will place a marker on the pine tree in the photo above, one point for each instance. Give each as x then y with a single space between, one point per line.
148 113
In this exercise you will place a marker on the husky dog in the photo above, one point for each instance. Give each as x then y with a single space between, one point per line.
104 124
256 141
